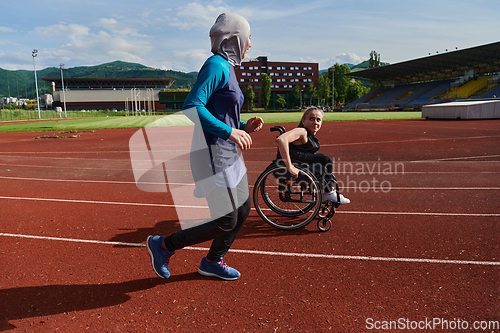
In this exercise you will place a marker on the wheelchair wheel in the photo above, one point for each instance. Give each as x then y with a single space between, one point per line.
285 203
324 224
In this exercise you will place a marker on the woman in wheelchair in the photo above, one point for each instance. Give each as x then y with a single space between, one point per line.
302 145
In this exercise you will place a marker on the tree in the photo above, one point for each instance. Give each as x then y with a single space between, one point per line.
341 83
265 90
374 59
374 62
280 102
313 92
325 89
249 97
354 91
346 90
295 96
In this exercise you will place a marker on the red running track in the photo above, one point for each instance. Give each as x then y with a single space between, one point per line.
419 241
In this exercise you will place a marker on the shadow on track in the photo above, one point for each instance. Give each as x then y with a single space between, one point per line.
254 227
39 301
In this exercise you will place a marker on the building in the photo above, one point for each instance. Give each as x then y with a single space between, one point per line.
284 76
14 101
173 99
102 93
9 100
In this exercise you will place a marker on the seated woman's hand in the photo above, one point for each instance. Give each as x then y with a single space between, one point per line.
294 172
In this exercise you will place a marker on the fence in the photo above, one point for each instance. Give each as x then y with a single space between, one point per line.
13 115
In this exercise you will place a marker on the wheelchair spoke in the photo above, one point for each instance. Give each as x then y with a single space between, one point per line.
285 203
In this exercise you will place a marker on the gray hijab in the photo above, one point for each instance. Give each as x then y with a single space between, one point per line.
229 37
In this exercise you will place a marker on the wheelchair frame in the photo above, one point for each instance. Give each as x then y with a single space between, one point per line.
289 204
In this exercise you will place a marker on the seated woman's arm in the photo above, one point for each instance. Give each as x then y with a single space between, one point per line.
298 136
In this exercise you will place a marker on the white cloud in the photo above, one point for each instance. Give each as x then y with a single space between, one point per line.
284 12
343 58
197 15
72 31
87 45
185 61
110 23
350 58
123 29
8 42
6 29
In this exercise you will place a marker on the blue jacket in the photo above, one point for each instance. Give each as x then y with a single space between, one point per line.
214 105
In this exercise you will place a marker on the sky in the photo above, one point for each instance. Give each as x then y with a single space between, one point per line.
174 34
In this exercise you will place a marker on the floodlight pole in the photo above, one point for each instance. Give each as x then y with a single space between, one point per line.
333 88
64 95
34 54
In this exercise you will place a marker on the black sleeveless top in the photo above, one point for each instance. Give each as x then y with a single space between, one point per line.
311 146
297 151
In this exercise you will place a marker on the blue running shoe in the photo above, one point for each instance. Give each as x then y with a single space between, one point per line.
218 269
159 257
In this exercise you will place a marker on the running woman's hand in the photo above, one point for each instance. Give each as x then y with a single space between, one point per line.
254 124
241 138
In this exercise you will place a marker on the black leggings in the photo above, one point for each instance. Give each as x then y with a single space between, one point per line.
320 164
227 218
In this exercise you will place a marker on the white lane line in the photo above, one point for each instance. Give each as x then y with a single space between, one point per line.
411 140
104 202
74 240
250 185
436 188
91 181
105 167
456 158
274 147
67 152
67 180
419 213
206 207
272 253
68 158
346 257
97 152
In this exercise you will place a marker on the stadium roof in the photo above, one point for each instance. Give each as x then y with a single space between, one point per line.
483 59
106 83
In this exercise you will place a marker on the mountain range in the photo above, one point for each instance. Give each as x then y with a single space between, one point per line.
21 83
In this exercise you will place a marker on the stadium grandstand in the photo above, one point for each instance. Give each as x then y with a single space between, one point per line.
133 94
471 74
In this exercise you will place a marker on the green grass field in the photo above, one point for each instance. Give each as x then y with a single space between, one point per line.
181 120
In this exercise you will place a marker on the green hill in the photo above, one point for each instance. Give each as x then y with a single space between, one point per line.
365 65
21 83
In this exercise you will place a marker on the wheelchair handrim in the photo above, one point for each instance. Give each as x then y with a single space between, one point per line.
260 187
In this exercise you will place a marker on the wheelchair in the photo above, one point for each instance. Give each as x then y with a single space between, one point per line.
289 204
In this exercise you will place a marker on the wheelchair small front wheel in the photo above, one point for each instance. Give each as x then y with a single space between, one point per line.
324 211
324 224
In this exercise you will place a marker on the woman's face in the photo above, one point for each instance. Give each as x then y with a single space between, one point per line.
249 45
313 120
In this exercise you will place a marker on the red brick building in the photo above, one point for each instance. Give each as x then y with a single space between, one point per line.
284 76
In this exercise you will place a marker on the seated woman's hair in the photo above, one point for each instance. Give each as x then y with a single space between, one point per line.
306 112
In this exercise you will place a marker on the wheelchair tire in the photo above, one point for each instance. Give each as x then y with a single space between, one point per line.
324 224
285 203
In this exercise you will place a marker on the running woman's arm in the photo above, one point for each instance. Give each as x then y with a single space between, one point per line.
213 76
